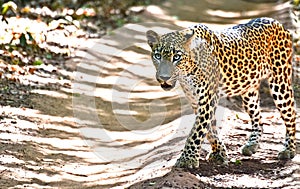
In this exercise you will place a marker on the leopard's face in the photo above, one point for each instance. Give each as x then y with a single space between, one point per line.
168 53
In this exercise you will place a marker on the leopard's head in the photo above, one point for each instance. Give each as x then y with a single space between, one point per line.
169 52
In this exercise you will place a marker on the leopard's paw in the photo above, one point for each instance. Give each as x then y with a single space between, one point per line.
187 162
249 149
286 154
217 157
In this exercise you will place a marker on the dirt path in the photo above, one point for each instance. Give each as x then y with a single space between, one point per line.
110 125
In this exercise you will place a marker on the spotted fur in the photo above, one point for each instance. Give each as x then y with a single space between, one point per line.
233 60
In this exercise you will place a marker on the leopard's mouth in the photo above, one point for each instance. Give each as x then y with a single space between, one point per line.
166 86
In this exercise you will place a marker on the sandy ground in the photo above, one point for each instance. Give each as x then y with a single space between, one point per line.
109 125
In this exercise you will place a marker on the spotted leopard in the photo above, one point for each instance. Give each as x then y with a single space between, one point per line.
233 60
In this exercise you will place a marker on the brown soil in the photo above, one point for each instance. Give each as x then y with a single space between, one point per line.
220 176
42 143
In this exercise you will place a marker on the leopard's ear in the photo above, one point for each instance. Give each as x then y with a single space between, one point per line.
187 33
152 37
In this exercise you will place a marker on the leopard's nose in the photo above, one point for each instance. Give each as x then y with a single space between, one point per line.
164 78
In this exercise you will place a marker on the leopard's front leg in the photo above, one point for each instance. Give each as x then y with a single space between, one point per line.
218 149
191 152
204 126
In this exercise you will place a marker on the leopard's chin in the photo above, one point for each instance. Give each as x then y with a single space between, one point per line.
167 87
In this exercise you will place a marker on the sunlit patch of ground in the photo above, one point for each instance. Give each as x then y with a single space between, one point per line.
112 126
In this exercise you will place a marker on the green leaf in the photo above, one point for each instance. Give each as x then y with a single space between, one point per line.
238 162
5 8
37 62
9 5
23 41
30 36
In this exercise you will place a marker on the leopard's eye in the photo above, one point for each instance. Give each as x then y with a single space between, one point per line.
157 56
176 57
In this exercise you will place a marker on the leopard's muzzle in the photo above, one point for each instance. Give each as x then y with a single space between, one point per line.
165 75
166 83
166 86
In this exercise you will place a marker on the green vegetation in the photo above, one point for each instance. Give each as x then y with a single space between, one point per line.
26 26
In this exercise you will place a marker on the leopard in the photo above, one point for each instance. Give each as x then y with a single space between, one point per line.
231 61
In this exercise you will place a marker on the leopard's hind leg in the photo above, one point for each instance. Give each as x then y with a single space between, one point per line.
280 82
251 105
282 93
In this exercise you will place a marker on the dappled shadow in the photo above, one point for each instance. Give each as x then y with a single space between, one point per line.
114 125
226 12
55 106
33 159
